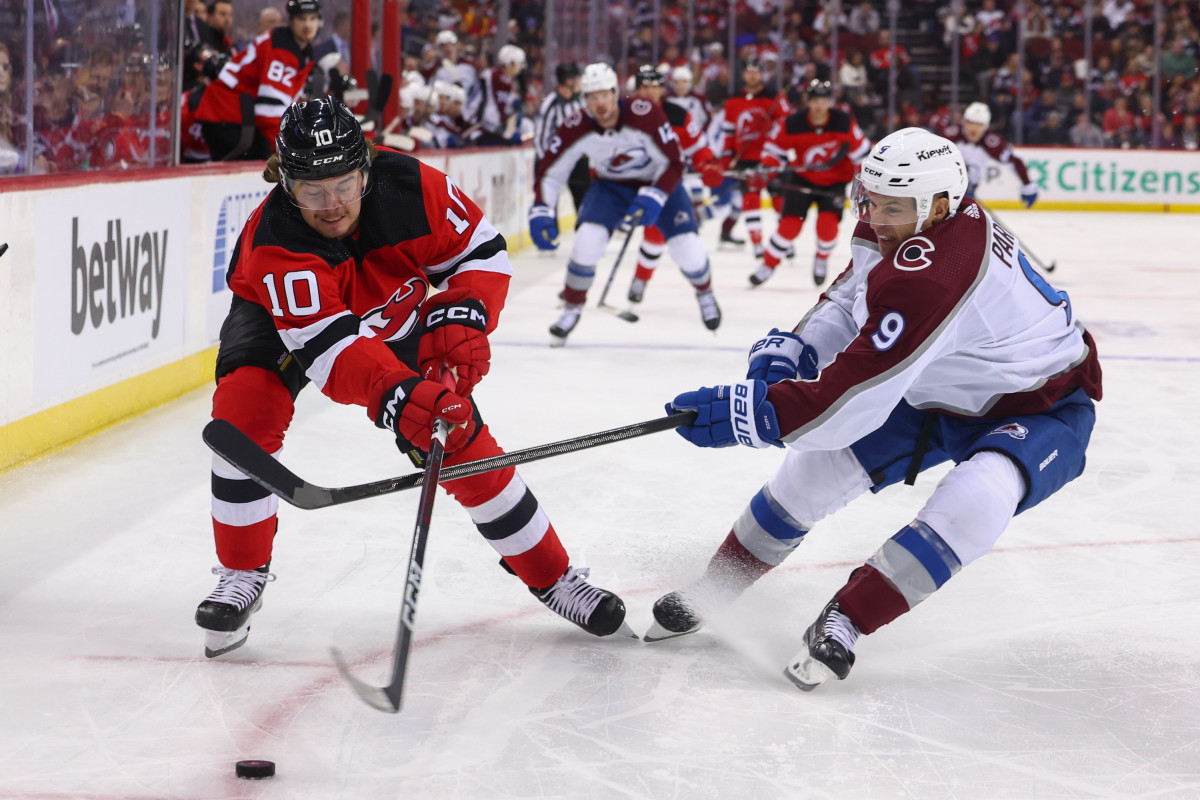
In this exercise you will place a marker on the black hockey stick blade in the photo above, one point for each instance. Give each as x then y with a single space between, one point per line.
620 313
244 454
374 696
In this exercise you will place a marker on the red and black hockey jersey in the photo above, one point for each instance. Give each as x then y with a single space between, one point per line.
338 302
825 155
748 120
272 69
693 141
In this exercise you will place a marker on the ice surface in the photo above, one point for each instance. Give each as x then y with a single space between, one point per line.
1063 665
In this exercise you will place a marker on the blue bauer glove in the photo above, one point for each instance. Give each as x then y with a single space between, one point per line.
649 202
728 415
782 356
1029 194
543 227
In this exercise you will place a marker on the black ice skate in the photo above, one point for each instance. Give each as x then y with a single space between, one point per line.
637 290
225 613
566 323
830 650
727 237
596 610
673 616
710 312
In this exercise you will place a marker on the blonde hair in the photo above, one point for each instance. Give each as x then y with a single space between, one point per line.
272 174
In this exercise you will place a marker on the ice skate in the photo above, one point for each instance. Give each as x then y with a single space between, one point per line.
637 290
566 323
225 613
829 650
761 275
759 251
728 238
596 610
674 616
710 312
820 267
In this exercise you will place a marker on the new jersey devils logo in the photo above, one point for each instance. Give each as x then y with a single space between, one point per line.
397 318
819 155
913 254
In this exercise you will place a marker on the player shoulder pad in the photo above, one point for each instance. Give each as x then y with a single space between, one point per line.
281 225
991 139
797 122
676 114
839 121
282 38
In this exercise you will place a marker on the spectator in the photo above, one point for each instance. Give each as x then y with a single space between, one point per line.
1086 133
853 73
10 157
269 19
1119 124
1117 13
1168 137
1051 133
881 61
1177 60
864 19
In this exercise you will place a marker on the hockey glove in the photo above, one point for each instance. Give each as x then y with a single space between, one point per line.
712 174
456 336
1029 194
782 356
543 227
727 415
649 202
409 408
757 181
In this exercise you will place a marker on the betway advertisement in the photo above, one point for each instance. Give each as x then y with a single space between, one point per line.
1149 177
110 273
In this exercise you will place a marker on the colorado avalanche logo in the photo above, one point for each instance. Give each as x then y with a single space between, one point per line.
1013 429
640 106
628 161
912 255
397 318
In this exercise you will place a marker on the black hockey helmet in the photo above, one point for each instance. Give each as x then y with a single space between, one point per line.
320 139
819 88
297 7
564 72
648 76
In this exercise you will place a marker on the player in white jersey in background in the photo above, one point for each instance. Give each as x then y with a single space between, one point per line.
638 168
939 343
980 147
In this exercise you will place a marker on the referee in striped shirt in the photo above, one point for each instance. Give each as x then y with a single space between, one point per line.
555 108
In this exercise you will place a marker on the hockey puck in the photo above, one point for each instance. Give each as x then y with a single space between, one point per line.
255 770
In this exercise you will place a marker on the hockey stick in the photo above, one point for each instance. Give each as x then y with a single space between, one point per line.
261 467
628 316
1037 262
388 698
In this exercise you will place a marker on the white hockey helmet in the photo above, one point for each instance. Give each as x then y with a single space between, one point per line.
413 78
510 54
447 37
912 162
977 112
682 74
597 77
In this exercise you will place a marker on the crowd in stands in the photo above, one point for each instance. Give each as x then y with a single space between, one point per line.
101 100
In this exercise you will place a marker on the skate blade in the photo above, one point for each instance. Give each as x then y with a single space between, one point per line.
808 673
623 632
658 633
557 341
218 643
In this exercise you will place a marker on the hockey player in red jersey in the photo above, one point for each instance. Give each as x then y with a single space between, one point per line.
940 343
749 116
693 142
268 75
635 156
980 147
822 147
334 279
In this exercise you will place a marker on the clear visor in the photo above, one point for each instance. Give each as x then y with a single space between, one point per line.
329 192
881 209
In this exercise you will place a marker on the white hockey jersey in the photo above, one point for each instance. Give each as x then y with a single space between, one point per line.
955 321
641 150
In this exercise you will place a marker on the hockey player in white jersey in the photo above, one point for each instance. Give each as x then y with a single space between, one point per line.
980 147
939 343
638 168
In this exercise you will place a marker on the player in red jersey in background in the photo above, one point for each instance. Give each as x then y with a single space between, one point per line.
268 75
749 115
821 147
333 279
